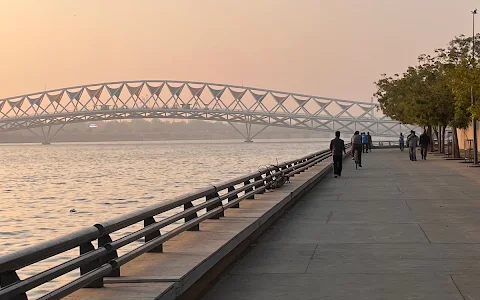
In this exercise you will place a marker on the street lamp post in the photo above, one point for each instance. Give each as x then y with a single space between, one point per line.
474 121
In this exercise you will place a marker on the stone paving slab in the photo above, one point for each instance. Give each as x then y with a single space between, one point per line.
386 211
334 287
417 258
275 259
448 232
468 285
394 229
311 232
135 291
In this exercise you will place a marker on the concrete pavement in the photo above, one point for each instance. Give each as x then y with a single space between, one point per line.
394 229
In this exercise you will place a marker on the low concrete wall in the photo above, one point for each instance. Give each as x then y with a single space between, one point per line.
193 261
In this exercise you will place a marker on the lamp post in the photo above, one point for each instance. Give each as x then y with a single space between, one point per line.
474 121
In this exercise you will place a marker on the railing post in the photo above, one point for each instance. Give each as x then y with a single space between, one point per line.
102 241
293 169
147 222
248 190
231 198
8 278
215 205
269 179
85 248
303 160
259 185
190 217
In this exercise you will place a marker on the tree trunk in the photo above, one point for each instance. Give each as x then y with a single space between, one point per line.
455 145
439 139
430 134
435 129
443 138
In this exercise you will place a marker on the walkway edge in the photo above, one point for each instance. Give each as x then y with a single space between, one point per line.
219 262
195 285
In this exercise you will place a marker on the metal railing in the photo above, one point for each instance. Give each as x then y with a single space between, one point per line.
385 144
104 261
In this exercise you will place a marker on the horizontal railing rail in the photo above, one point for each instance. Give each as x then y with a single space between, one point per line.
385 144
104 261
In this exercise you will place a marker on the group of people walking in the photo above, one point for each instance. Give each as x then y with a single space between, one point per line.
361 143
413 141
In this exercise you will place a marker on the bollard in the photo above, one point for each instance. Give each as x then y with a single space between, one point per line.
151 236
190 217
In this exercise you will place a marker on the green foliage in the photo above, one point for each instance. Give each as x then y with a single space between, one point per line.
437 91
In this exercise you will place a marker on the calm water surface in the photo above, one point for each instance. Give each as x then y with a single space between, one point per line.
40 184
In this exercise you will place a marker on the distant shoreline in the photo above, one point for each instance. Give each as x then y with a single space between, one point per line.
234 140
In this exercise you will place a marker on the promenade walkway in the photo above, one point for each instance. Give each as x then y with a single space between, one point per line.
393 230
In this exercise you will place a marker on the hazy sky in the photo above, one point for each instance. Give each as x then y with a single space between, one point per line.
333 48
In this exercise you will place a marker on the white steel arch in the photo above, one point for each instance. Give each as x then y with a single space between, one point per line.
173 99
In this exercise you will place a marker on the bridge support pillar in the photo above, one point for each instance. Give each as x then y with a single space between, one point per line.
248 135
47 134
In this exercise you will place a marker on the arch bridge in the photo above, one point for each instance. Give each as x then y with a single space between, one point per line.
53 109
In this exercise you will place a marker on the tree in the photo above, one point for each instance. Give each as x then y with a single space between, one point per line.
420 96
437 91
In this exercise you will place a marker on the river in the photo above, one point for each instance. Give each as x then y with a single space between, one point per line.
48 191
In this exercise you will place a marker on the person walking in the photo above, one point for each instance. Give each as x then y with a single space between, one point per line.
401 141
337 147
424 142
364 143
357 146
369 142
408 138
412 143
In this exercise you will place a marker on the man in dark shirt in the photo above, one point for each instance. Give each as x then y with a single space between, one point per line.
424 142
337 146
369 142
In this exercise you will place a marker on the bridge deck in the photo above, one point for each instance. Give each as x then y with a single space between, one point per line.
393 230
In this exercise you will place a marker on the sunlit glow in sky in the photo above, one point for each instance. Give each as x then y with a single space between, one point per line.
332 48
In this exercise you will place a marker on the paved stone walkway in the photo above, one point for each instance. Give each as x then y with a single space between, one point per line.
395 229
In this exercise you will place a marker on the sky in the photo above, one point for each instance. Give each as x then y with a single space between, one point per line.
330 48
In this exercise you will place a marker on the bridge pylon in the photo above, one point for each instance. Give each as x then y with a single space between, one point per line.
249 135
47 133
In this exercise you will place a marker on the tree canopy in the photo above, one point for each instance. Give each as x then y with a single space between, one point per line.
436 92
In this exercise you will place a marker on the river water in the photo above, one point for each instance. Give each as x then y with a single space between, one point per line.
41 185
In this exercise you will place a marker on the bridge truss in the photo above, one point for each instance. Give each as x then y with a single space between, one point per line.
194 101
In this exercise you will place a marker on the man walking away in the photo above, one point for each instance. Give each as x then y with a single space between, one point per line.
412 142
369 142
337 146
401 141
364 142
424 142
357 146
408 139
